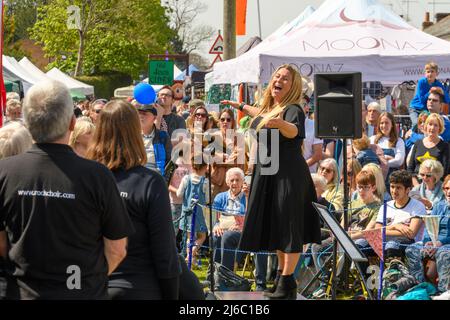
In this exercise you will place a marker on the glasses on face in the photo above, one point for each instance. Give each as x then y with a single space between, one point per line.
165 95
434 100
425 175
225 119
326 170
363 188
200 115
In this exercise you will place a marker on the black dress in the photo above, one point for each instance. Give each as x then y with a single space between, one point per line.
280 215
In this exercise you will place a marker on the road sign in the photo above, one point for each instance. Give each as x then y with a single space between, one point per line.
160 72
218 58
217 47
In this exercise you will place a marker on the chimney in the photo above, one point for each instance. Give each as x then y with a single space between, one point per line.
439 16
426 23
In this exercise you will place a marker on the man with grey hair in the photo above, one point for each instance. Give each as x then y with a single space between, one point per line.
64 219
373 113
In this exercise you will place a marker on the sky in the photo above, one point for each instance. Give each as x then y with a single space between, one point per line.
275 12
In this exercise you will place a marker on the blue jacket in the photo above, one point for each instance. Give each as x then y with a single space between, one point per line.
162 148
419 102
441 209
367 156
221 202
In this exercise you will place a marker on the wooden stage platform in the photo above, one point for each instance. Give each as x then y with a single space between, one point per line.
245 295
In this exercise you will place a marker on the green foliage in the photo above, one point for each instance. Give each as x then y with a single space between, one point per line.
105 84
118 34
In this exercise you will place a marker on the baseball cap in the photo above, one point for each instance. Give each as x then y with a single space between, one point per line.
147 108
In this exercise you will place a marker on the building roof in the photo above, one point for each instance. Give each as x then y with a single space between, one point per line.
440 29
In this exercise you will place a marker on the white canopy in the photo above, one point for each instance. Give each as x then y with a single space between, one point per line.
32 69
13 71
70 82
345 36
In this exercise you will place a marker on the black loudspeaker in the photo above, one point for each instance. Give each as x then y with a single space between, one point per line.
337 102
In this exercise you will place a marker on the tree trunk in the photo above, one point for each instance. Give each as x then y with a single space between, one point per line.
78 68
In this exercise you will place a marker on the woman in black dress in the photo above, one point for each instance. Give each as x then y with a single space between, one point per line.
280 214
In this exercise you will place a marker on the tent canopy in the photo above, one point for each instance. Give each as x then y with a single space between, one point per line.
32 69
12 71
344 36
70 82
182 75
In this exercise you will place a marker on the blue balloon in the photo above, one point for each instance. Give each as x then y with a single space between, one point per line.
144 93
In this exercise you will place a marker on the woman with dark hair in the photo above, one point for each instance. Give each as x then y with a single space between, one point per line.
232 153
151 269
387 138
198 121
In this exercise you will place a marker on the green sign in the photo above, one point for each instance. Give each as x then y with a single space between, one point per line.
160 72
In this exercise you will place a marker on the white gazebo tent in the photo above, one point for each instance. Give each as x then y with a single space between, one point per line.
13 71
70 82
26 64
345 36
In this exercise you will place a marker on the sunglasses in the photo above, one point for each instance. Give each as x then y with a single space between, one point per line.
326 170
225 119
423 175
200 115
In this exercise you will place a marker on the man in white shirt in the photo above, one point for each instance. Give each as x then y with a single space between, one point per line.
403 221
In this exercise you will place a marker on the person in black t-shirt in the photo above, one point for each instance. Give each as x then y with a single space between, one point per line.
151 269
171 119
65 223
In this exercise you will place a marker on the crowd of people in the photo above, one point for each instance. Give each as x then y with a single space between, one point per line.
109 200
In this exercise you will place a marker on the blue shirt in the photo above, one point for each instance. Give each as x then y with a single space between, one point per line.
441 209
419 102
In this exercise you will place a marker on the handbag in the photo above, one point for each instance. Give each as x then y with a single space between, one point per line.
227 280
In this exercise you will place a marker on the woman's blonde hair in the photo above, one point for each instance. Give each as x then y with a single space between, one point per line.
379 179
117 140
293 96
332 162
83 125
438 118
14 139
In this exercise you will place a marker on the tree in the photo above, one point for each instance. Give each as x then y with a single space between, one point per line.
182 15
102 35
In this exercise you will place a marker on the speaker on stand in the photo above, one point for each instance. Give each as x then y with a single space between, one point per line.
337 115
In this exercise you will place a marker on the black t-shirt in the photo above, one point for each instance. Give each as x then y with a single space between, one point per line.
420 153
174 122
152 252
56 208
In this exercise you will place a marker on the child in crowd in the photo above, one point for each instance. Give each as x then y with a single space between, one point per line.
403 221
194 185
364 154
419 102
